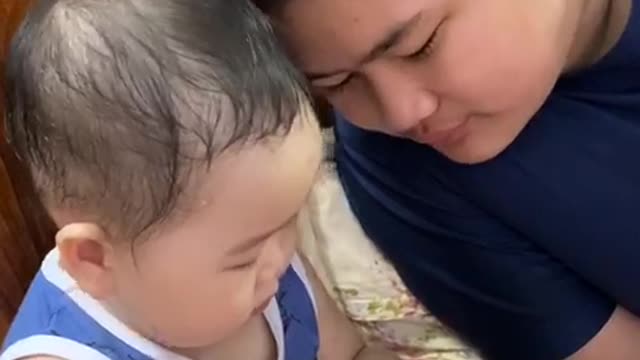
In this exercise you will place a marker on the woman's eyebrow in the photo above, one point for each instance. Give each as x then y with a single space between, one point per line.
391 39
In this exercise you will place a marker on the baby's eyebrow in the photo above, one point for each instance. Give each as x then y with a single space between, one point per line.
254 241
247 245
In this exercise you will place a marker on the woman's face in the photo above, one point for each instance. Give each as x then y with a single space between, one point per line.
463 76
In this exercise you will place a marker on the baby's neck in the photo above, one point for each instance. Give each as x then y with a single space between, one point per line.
253 341
255 332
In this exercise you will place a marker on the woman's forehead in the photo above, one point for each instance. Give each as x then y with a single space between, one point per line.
324 35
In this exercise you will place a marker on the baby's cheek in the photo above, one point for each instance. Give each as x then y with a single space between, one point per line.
290 241
241 293
209 312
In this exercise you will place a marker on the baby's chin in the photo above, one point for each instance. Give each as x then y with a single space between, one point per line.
192 343
260 309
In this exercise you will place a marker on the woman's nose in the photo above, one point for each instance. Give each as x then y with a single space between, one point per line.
402 101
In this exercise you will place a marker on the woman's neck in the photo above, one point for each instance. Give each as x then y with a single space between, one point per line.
599 26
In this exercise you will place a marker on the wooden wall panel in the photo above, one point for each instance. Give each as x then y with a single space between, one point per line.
26 233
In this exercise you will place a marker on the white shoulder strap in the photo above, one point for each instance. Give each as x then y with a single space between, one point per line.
274 320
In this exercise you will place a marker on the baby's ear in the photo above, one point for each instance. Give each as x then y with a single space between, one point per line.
85 250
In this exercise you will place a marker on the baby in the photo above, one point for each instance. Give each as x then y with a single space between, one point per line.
173 145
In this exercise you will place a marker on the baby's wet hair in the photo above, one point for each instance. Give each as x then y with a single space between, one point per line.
112 104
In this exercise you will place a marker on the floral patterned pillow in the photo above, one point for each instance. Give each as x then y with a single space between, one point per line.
364 284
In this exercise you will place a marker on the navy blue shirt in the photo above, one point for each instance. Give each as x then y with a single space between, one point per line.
527 255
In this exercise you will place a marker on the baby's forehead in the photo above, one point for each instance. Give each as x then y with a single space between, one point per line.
286 159
280 167
251 191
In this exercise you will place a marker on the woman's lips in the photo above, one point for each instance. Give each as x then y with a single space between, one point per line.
439 138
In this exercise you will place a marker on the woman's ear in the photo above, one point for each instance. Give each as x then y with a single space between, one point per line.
85 253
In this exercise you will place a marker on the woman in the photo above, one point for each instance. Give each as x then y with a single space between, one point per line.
488 149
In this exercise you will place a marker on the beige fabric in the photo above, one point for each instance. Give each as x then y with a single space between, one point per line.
364 284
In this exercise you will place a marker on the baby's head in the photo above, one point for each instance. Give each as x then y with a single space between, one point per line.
173 144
